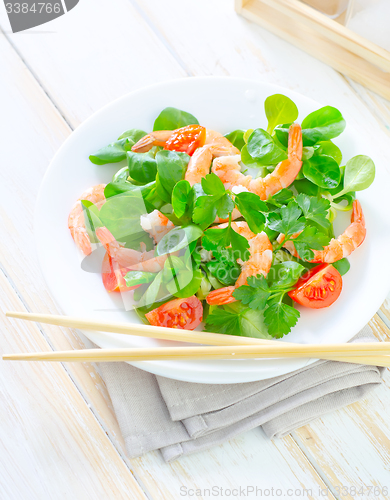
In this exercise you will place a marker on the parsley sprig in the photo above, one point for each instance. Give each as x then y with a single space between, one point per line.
217 238
216 200
306 216
314 209
237 319
269 295
224 266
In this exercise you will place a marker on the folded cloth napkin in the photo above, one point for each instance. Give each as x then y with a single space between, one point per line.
179 418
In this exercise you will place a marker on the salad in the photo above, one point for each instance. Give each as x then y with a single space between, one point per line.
234 230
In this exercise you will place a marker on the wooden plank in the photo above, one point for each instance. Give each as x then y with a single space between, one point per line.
28 114
232 46
51 445
236 47
352 446
249 460
93 55
378 106
385 310
325 39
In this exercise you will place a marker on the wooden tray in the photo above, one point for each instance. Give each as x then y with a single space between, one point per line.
324 38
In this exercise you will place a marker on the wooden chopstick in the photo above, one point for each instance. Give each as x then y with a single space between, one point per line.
367 351
174 334
157 332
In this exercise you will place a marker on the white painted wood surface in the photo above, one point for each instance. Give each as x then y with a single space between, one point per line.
58 435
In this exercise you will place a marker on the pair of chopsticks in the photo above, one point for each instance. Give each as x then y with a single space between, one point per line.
219 346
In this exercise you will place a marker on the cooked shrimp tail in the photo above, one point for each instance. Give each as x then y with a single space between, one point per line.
157 138
76 222
221 296
199 165
342 246
127 257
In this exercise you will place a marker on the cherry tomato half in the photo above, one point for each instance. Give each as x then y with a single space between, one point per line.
113 276
187 139
319 287
177 313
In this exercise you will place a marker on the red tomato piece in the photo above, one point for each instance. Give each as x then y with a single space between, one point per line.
187 139
178 313
318 288
113 276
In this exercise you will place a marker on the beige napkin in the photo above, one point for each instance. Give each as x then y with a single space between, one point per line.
179 418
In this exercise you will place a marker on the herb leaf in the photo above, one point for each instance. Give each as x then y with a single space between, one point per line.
322 171
251 207
133 278
236 138
142 167
328 148
216 238
267 295
287 220
314 209
237 319
305 186
216 201
322 125
359 174
280 318
121 176
221 320
262 147
342 266
185 284
255 294
113 153
116 151
279 109
152 292
121 214
284 275
224 267
205 211
133 135
181 198
310 238
178 238
171 168
173 118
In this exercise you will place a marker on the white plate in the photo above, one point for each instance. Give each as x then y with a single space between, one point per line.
223 104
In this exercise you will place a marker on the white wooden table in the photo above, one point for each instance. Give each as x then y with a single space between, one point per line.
58 434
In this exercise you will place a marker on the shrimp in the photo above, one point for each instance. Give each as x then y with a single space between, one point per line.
259 262
127 257
228 169
157 138
76 222
199 165
216 145
342 246
156 224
